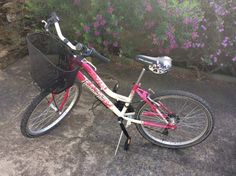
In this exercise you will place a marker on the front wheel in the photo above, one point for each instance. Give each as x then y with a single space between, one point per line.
191 114
47 110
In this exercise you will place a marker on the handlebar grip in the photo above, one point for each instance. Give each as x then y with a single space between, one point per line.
53 19
97 55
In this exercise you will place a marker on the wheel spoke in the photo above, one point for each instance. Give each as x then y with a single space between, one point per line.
192 112
41 116
190 125
193 116
42 120
184 107
44 117
46 121
192 120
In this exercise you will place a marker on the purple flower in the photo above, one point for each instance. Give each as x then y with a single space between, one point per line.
105 43
221 27
198 45
192 21
187 20
218 52
110 10
195 23
187 44
194 35
147 6
96 24
115 44
221 30
215 59
171 38
86 28
102 22
96 33
234 59
203 27
218 9
225 43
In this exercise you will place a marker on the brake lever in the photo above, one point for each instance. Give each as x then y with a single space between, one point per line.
86 52
45 25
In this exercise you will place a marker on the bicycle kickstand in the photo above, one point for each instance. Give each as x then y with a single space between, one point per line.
124 131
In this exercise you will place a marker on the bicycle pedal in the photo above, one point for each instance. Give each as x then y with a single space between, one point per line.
127 143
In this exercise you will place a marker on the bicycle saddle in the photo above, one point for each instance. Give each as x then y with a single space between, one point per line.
157 65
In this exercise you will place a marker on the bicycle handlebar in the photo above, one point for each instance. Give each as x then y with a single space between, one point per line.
54 19
97 55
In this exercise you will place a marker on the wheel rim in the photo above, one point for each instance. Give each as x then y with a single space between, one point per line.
193 121
45 117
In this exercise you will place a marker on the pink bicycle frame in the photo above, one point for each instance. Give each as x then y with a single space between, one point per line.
144 95
98 92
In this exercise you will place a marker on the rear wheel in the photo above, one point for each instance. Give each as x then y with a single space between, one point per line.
42 115
192 116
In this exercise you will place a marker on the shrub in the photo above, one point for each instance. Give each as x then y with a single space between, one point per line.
217 31
200 32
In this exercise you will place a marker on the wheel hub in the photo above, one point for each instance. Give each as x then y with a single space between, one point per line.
173 119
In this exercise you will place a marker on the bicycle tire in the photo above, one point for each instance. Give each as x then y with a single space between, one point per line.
192 98
27 116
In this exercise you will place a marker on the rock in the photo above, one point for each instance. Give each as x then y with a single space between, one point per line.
8 5
3 53
11 17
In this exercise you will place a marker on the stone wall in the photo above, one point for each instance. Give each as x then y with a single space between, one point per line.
12 32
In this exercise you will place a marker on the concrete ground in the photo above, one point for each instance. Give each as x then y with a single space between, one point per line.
84 143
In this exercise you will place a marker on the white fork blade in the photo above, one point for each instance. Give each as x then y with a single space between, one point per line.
53 107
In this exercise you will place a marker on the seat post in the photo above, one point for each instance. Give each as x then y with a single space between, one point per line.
140 76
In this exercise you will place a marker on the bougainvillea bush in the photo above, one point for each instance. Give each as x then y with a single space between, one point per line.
218 31
198 33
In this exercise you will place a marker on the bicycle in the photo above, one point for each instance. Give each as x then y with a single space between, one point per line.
172 119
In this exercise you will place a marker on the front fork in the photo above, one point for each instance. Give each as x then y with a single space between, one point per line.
59 108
